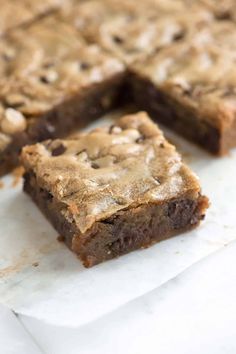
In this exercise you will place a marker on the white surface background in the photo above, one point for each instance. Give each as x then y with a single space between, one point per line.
152 301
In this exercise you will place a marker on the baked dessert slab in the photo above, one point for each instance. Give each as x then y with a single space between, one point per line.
114 189
51 84
190 87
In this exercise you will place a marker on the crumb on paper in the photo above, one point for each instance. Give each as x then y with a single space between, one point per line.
26 258
17 173
60 238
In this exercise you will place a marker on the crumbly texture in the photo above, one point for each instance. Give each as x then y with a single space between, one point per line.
190 86
16 13
53 76
113 175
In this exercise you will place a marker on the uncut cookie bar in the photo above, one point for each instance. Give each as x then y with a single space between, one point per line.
113 190
50 84
16 13
191 88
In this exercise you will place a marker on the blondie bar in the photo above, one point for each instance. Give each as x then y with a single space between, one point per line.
190 87
114 189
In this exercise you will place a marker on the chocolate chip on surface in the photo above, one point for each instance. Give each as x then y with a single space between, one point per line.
59 150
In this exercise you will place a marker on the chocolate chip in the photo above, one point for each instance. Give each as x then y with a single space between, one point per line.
178 36
224 16
84 66
162 146
95 165
44 79
118 40
59 150
79 152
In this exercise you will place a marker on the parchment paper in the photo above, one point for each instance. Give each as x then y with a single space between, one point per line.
192 313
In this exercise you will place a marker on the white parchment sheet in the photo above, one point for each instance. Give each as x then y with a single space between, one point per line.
39 277
194 313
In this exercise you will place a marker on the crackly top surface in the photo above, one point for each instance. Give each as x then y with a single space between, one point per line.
110 169
86 16
133 39
132 32
200 73
18 12
51 66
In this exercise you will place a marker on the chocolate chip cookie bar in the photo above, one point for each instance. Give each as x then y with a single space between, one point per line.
113 190
51 84
190 87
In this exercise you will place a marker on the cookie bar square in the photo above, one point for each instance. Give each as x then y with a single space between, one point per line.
113 190
190 87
